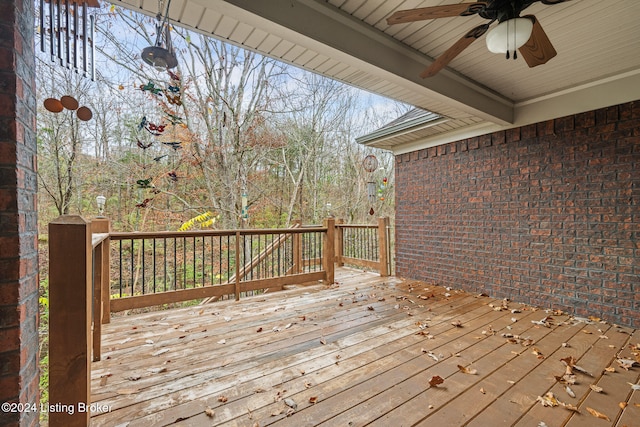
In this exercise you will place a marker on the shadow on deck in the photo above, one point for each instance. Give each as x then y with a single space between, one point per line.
362 352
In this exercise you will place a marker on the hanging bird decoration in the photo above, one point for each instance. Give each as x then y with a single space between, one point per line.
143 145
176 145
157 159
145 183
173 119
173 175
151 87
174 100
144 203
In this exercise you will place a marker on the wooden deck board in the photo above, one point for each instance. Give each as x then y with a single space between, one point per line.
356 353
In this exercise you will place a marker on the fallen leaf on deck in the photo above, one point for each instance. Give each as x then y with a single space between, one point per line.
288 325
222 341
259 330
149 341
277 412
436 380
548 400
569 406
537 352
370 308
542 424
457 323
127 391
307 385
259 390
157 370
133 377
569 391
483 391
467 370
595 388
291 403
598 414
584 331
323 341
622 405
626 364
223 399
210 412
610 369
313 399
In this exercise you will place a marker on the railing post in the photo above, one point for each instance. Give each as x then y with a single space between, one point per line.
339 242
103 225
383 224
297 250
328 257
69 319
100 282
237 281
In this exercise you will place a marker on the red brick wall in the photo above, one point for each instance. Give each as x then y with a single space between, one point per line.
546 214
18 214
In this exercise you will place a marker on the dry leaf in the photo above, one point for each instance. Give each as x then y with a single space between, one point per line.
158 370
313 399
482 390
569 406
259 330
537 352
548 400
466 370
436 380
133 377
159 352
291 403
457 323
370 308
223 399
569 391
622 405
210 412
596 388
323 341
597 414
277 412
626 364
610 369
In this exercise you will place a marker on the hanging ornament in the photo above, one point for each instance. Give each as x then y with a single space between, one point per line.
151 87
175 100
144 203
145 183
143 145
370 164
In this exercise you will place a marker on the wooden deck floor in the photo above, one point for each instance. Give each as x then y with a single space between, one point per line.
362 352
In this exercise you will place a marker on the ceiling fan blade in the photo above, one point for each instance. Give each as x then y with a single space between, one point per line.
538 49
454 50
443 11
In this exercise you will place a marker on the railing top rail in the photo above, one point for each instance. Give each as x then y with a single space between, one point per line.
357 225
97 238
202 233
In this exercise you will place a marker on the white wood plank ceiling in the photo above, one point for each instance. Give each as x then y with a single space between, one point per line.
598 61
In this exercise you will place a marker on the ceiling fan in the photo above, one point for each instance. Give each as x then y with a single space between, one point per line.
512 32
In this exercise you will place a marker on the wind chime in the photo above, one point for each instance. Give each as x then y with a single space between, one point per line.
370 164
67 32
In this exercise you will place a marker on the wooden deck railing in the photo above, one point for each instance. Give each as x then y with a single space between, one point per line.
93 272
365 246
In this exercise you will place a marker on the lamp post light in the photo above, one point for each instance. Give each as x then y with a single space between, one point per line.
101 201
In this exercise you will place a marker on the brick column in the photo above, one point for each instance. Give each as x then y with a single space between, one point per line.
18 213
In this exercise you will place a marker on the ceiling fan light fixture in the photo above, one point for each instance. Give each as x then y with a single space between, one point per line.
509 35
